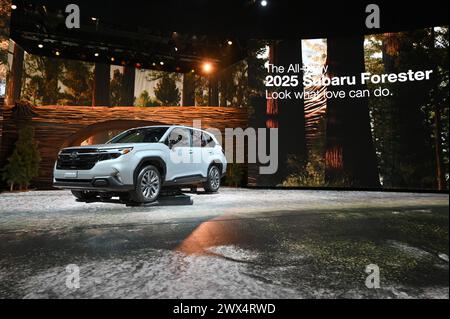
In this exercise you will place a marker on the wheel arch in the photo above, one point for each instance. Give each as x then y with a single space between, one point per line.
156 161
217 163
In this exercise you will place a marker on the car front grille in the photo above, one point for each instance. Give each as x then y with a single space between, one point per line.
80 159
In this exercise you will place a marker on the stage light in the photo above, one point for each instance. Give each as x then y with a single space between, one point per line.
263 3
162 63
13 6
93 18
112 59
230 42
40 45
153 63
57 53
96 54
176 49
207 67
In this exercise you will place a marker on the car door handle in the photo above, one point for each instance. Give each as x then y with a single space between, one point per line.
191 151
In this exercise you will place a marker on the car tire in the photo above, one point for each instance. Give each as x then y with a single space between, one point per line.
84 195
148 185
212 183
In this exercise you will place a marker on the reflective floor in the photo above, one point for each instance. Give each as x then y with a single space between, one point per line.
239 243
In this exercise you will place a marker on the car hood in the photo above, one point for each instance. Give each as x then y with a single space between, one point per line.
108 146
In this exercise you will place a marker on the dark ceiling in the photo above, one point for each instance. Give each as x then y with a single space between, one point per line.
183 34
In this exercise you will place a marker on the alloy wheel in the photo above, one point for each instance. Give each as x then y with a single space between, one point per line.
150 184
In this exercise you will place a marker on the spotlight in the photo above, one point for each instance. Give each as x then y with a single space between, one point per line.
207 67
13 6
40 45
93 18
229 42
96 54
176 49
263 3
153 63
57 53
112 59
162 63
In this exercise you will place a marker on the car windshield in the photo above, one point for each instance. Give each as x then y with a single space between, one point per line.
140 135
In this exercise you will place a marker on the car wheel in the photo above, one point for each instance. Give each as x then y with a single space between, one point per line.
148 185
212 184
84 195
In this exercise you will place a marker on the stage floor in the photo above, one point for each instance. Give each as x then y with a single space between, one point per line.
239 243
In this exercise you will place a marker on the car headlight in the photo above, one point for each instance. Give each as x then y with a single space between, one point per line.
113 153
126 150
121 150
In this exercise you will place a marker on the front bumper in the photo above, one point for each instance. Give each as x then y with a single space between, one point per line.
106 184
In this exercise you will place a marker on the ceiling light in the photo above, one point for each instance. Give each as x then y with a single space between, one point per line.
263 3
40 45
207 67
13 6
112 59
176 49
93 18
96 54
162 63
230 42
57 53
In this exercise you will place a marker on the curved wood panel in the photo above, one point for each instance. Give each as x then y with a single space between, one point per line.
59 126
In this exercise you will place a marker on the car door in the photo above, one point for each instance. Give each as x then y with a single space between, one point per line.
208 151
180 153
197 156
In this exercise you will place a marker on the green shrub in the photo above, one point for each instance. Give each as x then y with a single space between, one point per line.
23 164
235 175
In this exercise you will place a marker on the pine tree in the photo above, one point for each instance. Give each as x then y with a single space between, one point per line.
166 91
42 76
116 88
78 80
23 164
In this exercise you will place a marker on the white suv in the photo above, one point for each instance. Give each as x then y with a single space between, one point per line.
137 163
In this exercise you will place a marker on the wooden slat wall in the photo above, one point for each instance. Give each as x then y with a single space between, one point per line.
55 125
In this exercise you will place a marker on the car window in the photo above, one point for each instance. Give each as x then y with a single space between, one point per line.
142 135
196 138
180 137
135 136
207 140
